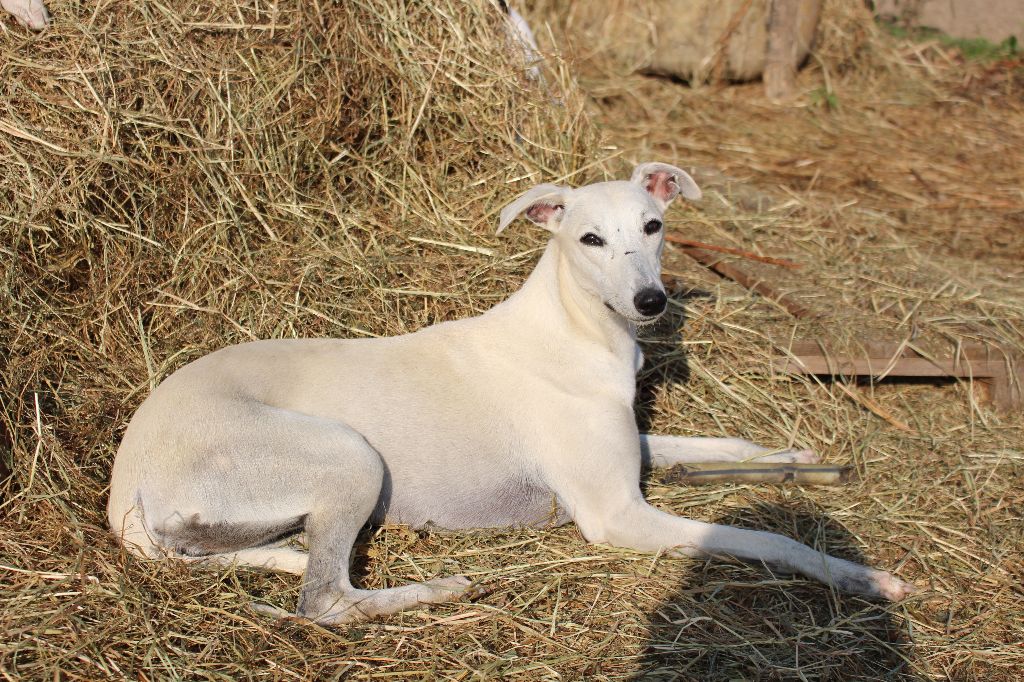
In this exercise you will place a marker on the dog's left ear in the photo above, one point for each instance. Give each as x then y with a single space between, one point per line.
665 182
544 205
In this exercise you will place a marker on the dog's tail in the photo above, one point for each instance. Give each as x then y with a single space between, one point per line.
268 558
137 538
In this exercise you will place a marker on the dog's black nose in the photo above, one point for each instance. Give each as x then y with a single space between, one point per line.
650 301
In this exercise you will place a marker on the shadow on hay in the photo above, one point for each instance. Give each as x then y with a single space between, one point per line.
734 621
664 360
730 620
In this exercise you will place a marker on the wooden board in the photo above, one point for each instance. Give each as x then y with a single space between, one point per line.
1000 372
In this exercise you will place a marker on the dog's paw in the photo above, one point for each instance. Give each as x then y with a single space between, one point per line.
892 588
857 579
460 587
450 588
791 457
268 611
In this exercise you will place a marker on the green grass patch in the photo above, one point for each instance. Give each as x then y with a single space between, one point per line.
974 49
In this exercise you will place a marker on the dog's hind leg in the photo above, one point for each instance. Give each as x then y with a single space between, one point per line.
665 451
328 596
274 473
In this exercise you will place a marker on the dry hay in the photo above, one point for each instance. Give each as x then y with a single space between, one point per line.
182 176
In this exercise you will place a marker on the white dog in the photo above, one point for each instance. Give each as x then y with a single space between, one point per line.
521 416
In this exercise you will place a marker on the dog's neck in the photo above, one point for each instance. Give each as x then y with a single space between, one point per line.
554 303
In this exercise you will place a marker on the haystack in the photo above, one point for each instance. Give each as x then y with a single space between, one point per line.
177 177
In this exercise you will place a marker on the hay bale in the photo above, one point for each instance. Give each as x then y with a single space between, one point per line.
693 40
211 174
178 176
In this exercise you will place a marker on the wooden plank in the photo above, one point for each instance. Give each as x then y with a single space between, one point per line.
998 373
871 349
900 367
1007 392
732 252
1001 373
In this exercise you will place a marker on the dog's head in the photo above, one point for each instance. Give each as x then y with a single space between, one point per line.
611 234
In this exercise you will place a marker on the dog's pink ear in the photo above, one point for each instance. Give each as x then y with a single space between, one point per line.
665 182
543 205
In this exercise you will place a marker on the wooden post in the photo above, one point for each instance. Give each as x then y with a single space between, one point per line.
781 53
705 473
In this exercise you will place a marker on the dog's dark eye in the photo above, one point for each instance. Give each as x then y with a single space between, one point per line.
652 226
591 239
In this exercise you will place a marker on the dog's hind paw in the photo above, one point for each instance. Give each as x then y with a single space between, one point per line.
459 587
477 591
275 612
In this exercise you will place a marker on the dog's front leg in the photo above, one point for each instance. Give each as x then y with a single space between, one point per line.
597 482
666 451
640 526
